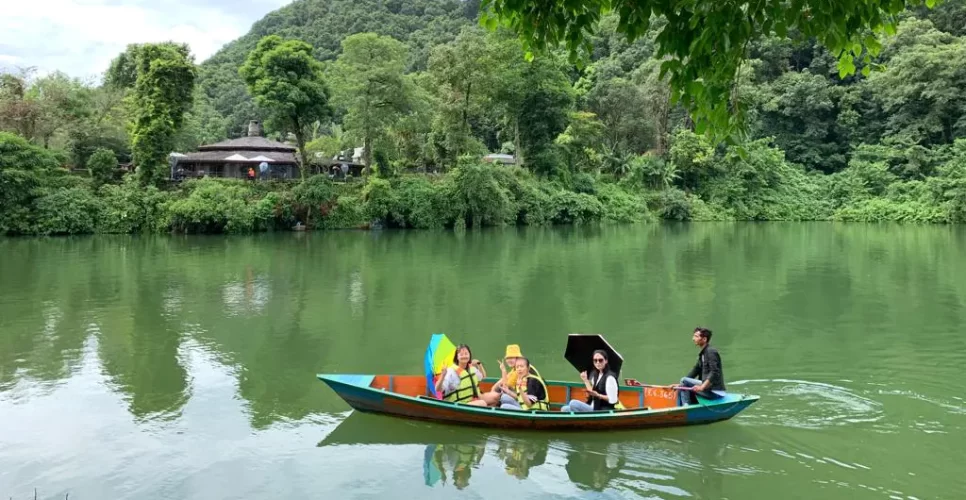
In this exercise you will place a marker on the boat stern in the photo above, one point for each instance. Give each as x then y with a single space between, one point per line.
719 409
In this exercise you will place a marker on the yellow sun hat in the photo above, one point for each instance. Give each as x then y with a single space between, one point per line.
513 351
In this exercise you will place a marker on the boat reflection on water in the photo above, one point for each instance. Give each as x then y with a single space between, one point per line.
520 455
456 461
451 453
637 462
594 465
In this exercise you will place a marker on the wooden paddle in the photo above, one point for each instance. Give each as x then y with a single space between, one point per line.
634 383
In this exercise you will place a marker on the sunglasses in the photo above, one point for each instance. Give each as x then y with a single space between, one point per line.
598 360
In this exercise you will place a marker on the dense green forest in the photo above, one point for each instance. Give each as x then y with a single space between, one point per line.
429 92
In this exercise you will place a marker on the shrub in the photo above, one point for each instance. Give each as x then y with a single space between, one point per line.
217 206
883 210
130 208
381 202
309 200
67 211
102 165
348 213
479 198
575 208
620 206
423 204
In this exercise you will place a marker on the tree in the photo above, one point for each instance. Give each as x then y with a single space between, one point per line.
162 76
18 113
102 165
288 84
801 111
579 140
705 41
104 127
41 109
622 106
25 170
368 83
534 100
922 88
461 73
64 102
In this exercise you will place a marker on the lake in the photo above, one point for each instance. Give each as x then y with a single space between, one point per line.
184 367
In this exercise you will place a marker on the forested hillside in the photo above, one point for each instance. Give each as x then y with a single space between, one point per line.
419 24
429 91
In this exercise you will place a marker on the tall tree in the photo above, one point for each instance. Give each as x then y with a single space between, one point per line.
534 100
657 102
461 73
622 107
922 89
162 76
801 110
706 40
368 83
64 102
18 112
41 109
288 84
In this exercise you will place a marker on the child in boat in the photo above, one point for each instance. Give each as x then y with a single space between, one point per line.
460 382
496 396
529 393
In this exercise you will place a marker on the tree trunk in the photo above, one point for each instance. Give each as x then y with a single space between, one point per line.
518 149
367 153
664 116
466 121
300 142
688 121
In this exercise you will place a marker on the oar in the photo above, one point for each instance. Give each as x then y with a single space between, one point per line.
634 383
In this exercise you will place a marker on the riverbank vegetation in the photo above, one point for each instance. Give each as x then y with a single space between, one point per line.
429 93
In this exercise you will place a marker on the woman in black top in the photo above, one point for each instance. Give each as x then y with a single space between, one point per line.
601 387
530 392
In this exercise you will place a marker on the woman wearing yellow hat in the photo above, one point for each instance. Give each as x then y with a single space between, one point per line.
496 396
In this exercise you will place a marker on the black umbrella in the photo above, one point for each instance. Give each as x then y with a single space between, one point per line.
580 352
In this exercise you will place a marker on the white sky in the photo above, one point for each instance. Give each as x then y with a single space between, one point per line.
80 37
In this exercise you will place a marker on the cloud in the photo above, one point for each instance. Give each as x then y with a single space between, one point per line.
80 37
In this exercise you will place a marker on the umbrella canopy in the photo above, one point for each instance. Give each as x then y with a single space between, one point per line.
580 352
431 473
439 355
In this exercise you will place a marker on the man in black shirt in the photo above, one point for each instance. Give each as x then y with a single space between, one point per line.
711 384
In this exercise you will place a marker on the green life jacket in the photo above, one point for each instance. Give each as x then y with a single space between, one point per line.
542 404
468 390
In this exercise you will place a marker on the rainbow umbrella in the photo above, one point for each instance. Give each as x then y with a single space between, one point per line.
431 473
439 355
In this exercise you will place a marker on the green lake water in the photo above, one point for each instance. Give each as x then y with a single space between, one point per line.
184 367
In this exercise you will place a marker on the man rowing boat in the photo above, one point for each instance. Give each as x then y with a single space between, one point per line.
711 384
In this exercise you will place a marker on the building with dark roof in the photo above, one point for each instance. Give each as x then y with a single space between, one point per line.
233 158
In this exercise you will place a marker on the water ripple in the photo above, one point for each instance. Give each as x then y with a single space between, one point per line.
809 405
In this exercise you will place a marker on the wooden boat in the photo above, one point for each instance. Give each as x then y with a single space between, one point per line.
645 406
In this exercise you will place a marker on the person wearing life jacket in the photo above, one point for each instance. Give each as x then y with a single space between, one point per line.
459 460
530 393
460 382
496 396
601 387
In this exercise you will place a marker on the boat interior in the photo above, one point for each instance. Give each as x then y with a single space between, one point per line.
560 393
